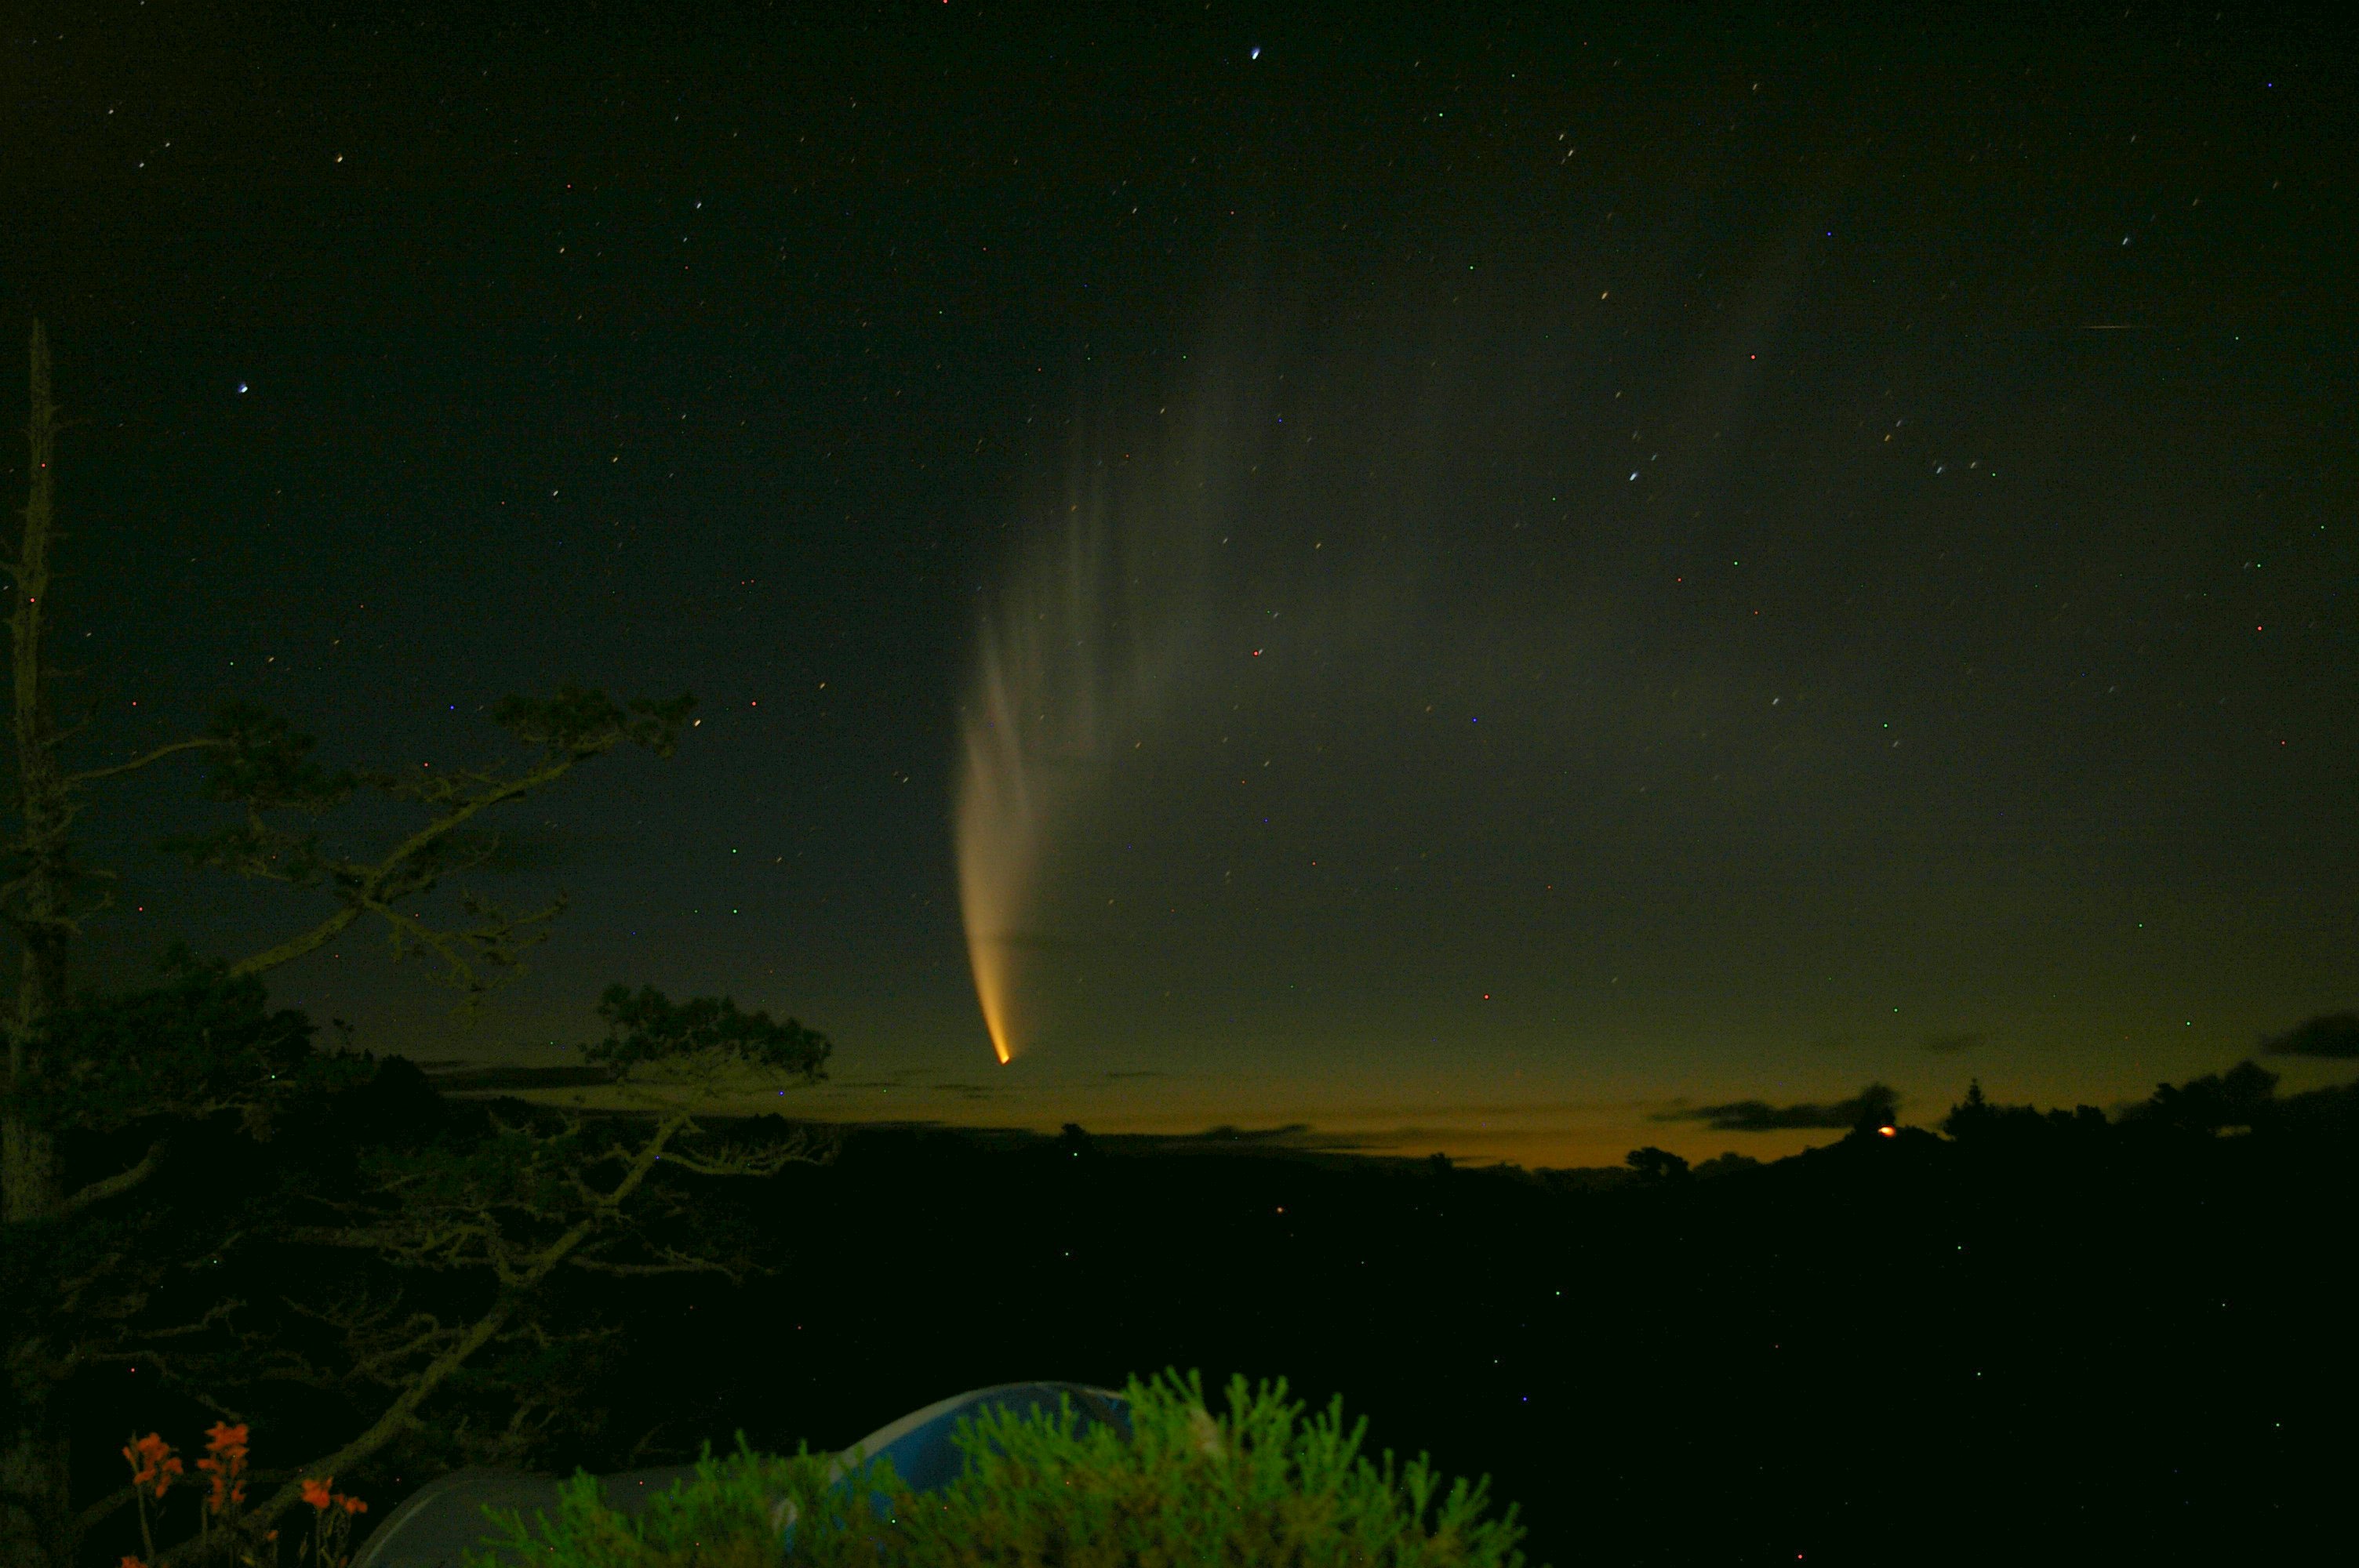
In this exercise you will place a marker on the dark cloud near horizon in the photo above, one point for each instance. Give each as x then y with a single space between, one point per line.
1760 1116
1224 1133
2332 1035
1951 1045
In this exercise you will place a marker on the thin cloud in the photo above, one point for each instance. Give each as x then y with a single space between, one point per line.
1951 1045
1760 1116
2334 1035
1224 1133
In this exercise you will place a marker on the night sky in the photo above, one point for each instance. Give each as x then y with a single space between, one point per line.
1647 561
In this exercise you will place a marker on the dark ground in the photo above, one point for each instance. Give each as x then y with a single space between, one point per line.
2061 1341
2103 1348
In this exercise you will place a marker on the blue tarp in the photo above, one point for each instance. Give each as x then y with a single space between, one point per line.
444 1519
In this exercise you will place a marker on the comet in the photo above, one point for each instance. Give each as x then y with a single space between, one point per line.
1099 609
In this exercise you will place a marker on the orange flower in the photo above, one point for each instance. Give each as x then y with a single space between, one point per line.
316 1493
225 1463
153 1463
351 1505
131 1561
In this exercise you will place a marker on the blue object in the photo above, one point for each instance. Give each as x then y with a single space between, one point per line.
443 1520
922 1443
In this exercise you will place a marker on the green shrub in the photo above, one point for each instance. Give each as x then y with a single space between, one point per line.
1257 1486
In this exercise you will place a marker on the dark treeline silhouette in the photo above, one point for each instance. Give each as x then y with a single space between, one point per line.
2038 1336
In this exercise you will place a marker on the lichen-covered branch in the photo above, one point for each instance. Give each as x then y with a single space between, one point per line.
92 775
268 769
121 1182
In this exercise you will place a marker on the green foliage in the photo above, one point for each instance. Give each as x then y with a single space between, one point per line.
203 1041
583 723
733 1515
268 763
264 763
1257 1484
651 1027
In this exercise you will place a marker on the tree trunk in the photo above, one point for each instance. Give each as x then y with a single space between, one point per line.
40 893
35 1506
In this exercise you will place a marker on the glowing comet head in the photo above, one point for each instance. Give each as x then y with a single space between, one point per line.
988 960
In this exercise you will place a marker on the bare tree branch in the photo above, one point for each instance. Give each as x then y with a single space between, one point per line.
121 1182
683 1264
92 775
373 885
398 1417
509 1209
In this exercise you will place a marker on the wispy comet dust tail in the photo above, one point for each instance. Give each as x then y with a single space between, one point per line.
998 829
1074 660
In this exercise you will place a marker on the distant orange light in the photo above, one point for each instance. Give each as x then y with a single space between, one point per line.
1888 1132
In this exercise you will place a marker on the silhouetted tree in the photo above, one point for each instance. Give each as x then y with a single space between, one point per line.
100 1093
1877 1113
1657 1167
1971 1117
2242 1097
1979 1122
